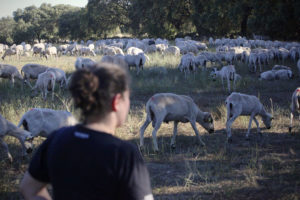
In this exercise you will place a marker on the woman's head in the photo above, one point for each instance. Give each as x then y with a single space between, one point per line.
95 91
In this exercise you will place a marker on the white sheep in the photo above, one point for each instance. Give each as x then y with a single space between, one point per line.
136 60
173 50
31 71
117 59
49 52
246 105
227 72
25 137
295 107
134 51
165 107
278 67
267 75
9 52
187 64
45 82
43 121
60 76
10 72
283 74
84 63
86 51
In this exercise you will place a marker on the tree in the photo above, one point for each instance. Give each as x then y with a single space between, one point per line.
7 26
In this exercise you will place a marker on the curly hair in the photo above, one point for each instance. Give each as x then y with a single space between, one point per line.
93 90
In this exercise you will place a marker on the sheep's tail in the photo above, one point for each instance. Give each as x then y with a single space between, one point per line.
150 114
229 109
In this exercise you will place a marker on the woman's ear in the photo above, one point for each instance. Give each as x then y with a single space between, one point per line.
115 102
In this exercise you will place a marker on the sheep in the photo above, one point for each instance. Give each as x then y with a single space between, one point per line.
283 74
242 104
84 63
11 72
278 67
187 64
44 83
60 76
86 51
134 51
136 60
173 50
38 49
117 59
9 52
165 107
25 137
51 51
227 72
31 71
267 75
43 121
295 107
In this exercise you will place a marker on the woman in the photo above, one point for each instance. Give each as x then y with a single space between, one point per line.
86 161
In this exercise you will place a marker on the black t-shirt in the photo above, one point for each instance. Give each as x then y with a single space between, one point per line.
85 164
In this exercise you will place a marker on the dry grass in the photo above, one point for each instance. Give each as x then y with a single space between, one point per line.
265 167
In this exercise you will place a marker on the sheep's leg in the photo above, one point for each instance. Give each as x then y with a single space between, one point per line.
6 149
142 130
157 126
228 126
249 126
291 122
257 124
174 135
197 133
228 84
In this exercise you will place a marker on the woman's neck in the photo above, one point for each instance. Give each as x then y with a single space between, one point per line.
107 125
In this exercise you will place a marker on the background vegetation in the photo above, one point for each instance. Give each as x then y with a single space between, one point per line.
276 19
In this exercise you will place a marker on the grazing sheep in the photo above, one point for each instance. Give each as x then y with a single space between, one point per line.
60 76
172 50
187 64
44 83
247 105
227 72
38 49
267 75
11 72
9 52
25 137
295 107
134 51
136 60
84 63
165 107
117 59
31 71
43 121
49 52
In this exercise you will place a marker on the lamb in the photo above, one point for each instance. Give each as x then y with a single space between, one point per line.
11 72
43 121
60 76
242 104
295 107
165 107
227 72
45 83
31 71
84 63
25 137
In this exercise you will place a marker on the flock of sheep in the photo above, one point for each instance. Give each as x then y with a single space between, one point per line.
162 107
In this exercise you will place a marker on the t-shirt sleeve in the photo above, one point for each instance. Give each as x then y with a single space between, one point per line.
38 166
134 176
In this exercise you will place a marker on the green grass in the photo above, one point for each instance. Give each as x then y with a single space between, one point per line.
265 167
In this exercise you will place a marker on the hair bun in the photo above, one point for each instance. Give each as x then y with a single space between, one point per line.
90 81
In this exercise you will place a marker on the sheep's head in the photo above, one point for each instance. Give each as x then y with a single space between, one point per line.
267 119
213 74
28 141
205 119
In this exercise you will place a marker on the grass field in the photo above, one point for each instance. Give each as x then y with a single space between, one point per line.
265 167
